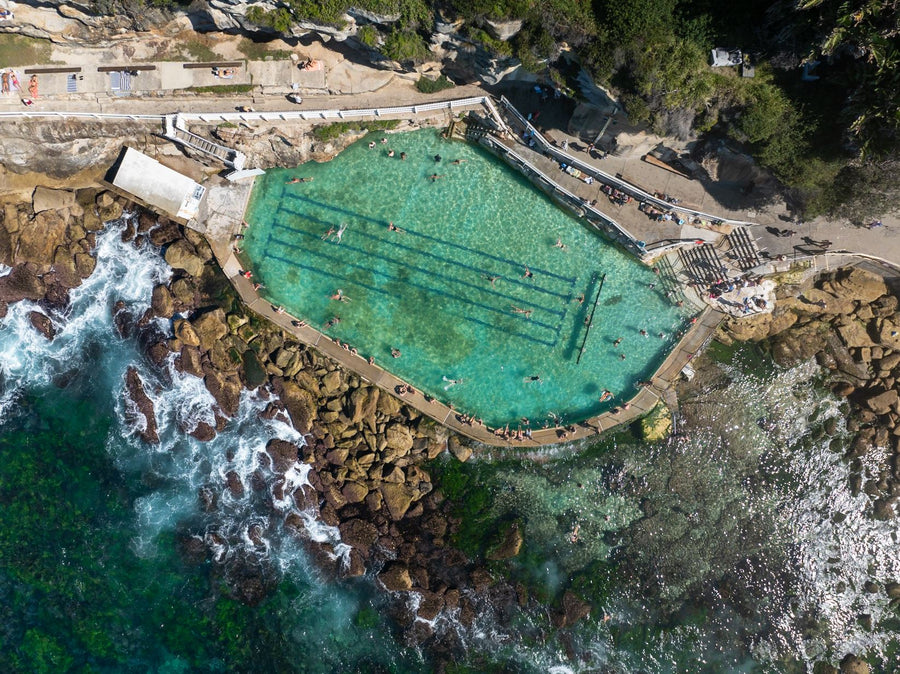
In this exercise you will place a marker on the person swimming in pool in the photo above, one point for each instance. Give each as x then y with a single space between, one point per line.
434 176
393 228
492 279
451 382
525 312
528 273
339 235
328 234
534 377
458 161
339 296
606 395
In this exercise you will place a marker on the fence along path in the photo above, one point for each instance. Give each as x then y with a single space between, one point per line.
634 190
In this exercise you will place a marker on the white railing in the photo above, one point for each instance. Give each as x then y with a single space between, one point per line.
100 116
624 185
574 199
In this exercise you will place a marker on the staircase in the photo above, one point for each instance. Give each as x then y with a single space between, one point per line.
177 133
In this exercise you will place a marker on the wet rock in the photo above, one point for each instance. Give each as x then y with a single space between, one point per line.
354 492
203 432
883 509
182 255
430 605
142 407
509 545
234 484
190 360
225 390
42 323
84 264
359 534
573 609
165 233
395 577
852 664
283 454
356 565
39 240
22 283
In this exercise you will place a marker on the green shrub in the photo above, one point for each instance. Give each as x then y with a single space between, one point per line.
429 86
489 42
278 19
326 132
368 35
223 89
405 46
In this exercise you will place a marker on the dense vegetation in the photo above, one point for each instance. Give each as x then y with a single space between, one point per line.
833 142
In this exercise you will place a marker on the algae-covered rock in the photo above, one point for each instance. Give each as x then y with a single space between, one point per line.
657 425
509 545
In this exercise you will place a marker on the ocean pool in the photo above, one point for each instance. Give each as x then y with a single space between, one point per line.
485 310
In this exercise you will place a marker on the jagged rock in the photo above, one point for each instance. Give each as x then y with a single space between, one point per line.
397 498
354 492
182 255
84 264
22 283
47 199
509 545
283 454
143 406
225 390
161 302
234 484
883 509
359 534
363 402
190 360
504 30
210 328
356 565
883 402
843 389
39 240
203 432
430 605
331 382
395 577
854 335
185 332
300 405
42 323
398 437
856 284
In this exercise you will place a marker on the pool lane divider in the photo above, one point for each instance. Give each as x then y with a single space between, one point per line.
480 288
380 222
447 260
505 330
590 320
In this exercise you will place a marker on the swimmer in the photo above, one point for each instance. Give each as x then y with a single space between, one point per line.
434 176
574 536
528 273
437 158
579 299
458 161
334 321
534 377
339 296
298 180
395 353
340 233
402 155
492 279
393 228
383 141
662 335
559 244
390 153
643 333
622 356
372 145
606 395
327 234
451 382
617 342
526 312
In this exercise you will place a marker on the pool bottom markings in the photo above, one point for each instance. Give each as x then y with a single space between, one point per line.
431 273
341 277
531 287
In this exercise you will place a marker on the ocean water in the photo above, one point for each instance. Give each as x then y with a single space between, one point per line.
734 547
448 290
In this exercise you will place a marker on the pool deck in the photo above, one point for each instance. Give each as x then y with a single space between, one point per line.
221 215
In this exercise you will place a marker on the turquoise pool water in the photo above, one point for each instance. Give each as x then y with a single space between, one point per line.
449 290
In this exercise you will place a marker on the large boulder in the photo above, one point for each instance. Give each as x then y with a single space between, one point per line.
363 402
398 498
210 328
854 334
573 609
184 331
359 534
42 323
22 283
883 402
162 303
283 454
182 255
856 284
225 390
398 438
395 577
47 199
39 239
852 664
300 404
